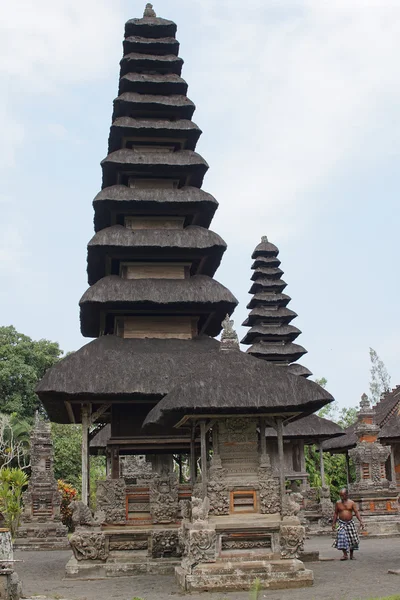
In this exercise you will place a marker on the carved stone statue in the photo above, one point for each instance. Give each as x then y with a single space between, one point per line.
148 11
81 514
200 509
89 545
229 338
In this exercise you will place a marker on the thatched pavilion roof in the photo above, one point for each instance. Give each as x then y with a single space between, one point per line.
311 429
183 129
151 62
239 384
271 333
268 314
152 27
277 352
153 83
144 45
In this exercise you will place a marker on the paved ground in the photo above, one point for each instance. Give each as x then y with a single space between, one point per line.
42 574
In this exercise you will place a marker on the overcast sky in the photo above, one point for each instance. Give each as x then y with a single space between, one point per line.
298 102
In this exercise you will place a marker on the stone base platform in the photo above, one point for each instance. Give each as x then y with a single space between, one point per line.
233 576
42 536
119 566
381 526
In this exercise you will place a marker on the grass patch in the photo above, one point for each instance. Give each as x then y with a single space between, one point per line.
395 597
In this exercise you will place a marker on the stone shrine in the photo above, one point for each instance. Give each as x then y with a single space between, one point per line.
41 525
376 496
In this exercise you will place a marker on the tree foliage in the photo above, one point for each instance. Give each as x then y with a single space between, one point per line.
12 483
23 362
380 378
14 442
68 494
67 441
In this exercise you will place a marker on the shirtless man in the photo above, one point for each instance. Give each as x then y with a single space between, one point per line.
347 538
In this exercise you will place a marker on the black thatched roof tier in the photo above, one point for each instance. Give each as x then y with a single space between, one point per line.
235 383
277 352
310 429
271 333
196 205
391 429
198 295
153 83
266 261
185 165
100 439
139 63
264 284
145 45
269 314
299 370
265 299
202 246
265 249
152 27
116 369
343 443
174 106
183 130
271 272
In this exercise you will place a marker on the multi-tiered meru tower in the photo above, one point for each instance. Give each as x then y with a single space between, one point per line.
271 335
153 303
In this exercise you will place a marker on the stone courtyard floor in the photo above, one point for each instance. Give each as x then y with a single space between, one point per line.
42 575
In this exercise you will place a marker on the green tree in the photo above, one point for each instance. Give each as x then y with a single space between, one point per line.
12 484
23 362
380 378
67 441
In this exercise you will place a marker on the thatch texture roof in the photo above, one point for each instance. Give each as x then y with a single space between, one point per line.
124 127
100 439
264 284
113 368
198 206
311 428
145 45
270 332
265 299
343 443
269 314
276 352
266 261
185 164
136 62
201 245
299 370
131 104
153 83
197 295
153 27
265 249
271 272
391 429
235 383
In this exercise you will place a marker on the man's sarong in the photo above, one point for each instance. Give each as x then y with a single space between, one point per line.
346 536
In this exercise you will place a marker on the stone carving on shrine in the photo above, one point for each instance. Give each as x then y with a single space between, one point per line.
111 498
41 524
292 540
165 544
81 515
164 504
89 545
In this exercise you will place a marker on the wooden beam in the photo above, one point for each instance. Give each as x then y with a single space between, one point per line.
347 468
203 447
86 407
96 415
263 440
321 464
70 412
193 455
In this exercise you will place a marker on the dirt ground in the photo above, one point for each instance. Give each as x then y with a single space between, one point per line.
367 577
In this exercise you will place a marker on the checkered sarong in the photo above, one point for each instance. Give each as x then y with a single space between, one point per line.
346 536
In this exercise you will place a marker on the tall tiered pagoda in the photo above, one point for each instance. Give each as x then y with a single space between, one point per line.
271 335
153 303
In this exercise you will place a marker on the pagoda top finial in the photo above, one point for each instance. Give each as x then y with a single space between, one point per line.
148 11
364 404
229 338
264 239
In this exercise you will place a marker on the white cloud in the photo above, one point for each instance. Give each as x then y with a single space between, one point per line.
304 83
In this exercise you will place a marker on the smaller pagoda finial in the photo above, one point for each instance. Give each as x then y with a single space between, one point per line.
148 11
264 239
229 338
364 404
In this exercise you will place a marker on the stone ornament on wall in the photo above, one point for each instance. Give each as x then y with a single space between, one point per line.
111 500
270 502
165 544
164 504
199 546
81 514
292 540
89 545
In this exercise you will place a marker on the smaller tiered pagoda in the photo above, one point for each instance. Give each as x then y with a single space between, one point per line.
271 335
41 525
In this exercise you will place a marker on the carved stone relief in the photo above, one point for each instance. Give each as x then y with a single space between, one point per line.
111 498
292 540
89 545
164 506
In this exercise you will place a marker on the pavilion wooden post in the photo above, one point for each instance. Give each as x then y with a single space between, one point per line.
279 433
85 452
321 464
263 440
115 463
392 465
203 447
193 455
347 468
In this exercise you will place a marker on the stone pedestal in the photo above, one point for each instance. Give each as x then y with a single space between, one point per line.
41 525
10 585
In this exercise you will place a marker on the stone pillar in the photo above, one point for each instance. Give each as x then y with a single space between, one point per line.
115 463
392 466
347 469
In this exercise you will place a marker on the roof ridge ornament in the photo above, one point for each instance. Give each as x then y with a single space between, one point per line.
264 239
364 403
229 337
148 11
